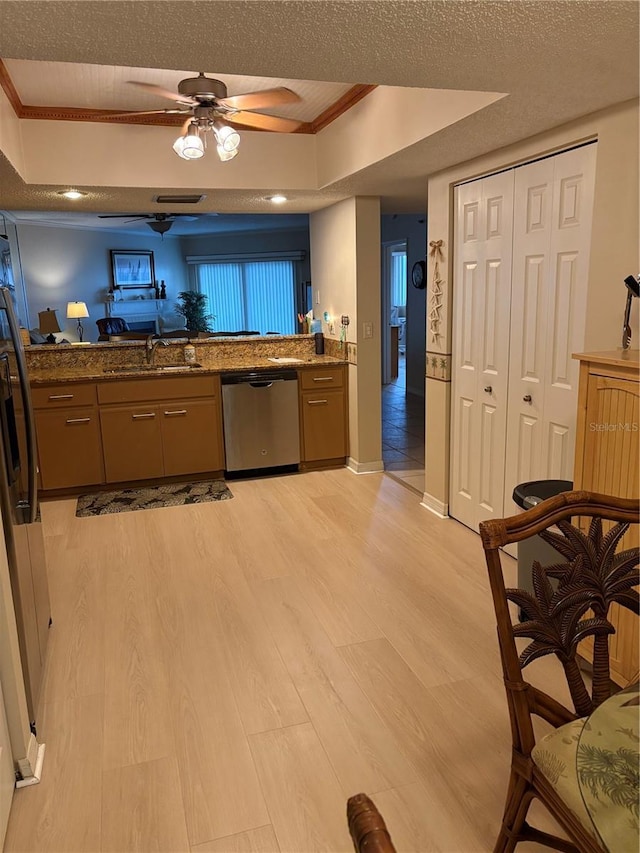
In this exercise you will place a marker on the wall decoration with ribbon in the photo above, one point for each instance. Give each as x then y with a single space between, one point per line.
435 294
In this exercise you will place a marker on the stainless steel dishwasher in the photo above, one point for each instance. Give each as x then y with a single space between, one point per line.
261 421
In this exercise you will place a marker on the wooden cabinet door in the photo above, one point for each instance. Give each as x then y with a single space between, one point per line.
191 437
69 448
610 467
323 425
132 443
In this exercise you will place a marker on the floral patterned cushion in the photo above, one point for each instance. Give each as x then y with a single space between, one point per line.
594 767
555 757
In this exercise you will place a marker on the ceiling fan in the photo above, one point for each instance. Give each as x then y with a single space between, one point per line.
158 222
207 107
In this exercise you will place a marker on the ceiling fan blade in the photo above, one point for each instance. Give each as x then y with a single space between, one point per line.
264 122
165 93
104 115
130 216
261 100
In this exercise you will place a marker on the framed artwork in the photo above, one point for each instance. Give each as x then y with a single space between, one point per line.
132 269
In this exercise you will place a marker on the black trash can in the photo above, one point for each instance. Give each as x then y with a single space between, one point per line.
534 548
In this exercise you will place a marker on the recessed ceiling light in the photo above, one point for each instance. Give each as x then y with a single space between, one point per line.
72 194
277 199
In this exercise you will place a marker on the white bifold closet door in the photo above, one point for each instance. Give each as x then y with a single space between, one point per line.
545 299
482 299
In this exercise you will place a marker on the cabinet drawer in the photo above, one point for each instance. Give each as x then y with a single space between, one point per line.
59 396
162 388
326 377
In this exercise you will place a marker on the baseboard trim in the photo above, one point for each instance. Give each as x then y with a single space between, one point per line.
435 506
365 467
33 777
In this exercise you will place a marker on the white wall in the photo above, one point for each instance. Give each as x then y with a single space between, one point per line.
345 272
60 265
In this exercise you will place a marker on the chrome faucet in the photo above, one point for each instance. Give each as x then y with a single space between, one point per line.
150 347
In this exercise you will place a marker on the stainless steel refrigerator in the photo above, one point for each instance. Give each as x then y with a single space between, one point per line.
19 504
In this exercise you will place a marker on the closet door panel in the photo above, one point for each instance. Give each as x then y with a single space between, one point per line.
569 246
533 210
481 342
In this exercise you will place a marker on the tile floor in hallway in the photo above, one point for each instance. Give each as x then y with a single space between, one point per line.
403 432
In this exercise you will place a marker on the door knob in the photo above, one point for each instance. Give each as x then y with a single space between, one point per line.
488 389
527 398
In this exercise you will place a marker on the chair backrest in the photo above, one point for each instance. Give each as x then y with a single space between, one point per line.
366 826
112 325
596 572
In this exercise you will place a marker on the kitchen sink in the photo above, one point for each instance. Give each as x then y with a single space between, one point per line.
153 368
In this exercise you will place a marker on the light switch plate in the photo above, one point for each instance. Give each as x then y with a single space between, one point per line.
367 330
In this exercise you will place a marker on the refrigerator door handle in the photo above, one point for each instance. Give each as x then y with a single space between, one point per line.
30 429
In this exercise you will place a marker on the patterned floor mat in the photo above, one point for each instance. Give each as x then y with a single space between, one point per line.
152 497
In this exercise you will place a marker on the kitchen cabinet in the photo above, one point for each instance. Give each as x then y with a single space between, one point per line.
323 416
178 431
68 435
607 462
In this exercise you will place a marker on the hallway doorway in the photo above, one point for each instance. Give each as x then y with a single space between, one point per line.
403 432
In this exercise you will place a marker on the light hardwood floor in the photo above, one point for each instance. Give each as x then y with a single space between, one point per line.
222 677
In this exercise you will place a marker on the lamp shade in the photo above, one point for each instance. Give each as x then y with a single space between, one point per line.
75 310
48 322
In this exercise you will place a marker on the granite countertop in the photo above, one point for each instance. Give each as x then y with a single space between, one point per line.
224 364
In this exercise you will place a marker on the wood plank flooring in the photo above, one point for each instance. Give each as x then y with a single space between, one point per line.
222 677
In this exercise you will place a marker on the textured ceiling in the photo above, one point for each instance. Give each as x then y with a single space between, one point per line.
557 61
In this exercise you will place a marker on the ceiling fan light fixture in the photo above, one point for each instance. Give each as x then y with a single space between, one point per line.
225 155
193 147
160 227
228 138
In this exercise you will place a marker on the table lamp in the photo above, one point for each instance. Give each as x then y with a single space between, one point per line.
75 311
48 324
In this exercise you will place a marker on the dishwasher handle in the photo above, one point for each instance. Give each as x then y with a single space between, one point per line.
266 384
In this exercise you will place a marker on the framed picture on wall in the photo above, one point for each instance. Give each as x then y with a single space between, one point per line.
132 269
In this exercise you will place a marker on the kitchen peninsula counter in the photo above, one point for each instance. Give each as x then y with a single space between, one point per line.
106 418
104 361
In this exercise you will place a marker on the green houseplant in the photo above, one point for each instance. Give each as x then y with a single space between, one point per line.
193 307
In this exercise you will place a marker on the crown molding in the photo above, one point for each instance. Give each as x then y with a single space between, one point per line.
26 111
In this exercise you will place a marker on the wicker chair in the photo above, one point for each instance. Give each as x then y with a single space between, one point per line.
366 826
595 573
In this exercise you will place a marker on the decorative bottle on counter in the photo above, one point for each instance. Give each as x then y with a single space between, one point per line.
163 291
189 354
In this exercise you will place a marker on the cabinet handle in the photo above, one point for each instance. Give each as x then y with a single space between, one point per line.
61 396
78 420
317 402
488 389
177 412
323 378
527 398
146 415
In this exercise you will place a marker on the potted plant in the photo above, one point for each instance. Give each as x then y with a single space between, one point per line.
193 307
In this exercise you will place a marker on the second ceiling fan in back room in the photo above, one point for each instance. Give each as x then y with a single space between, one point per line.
210 113
158 222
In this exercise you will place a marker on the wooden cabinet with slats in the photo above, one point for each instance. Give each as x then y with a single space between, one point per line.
607 461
